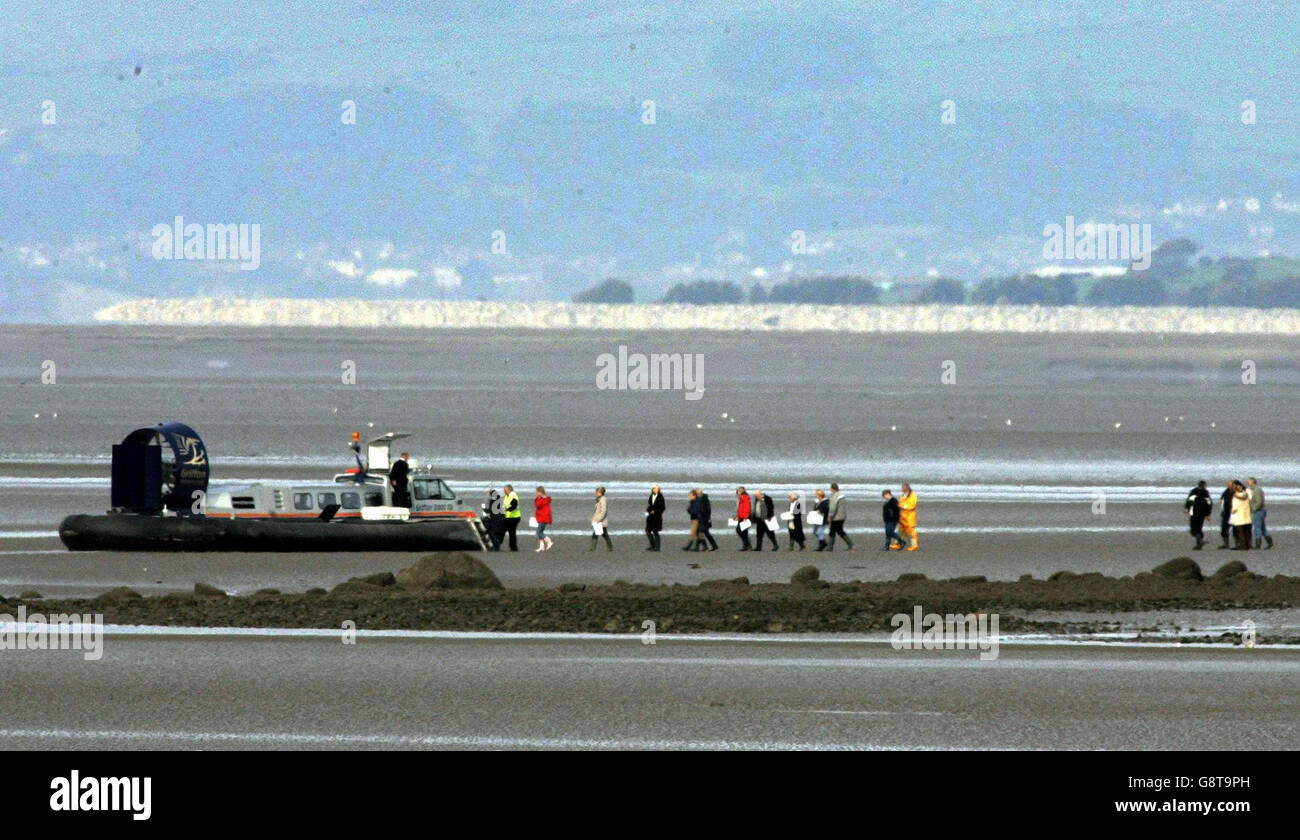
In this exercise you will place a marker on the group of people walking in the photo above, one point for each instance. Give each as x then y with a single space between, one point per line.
1243 518
502 514
754 513
827 515
1242 515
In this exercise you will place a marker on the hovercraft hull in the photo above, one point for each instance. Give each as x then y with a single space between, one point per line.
127 532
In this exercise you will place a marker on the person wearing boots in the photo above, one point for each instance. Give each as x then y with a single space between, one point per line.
1257 512
654 517
823 507
1240 518
693 507
513 514
600 520
763 511
1225 513
796 522
907 518
494 508
1198 506
889 513
839 512
706 520
542 513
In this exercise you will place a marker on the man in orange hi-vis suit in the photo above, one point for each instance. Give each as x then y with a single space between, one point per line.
907 517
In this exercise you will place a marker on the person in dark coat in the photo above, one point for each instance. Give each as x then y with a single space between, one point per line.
706 521
1258 512
762 511
1198 506
693 508
654 517
513 514
495 510
398 474
889 513
1225 500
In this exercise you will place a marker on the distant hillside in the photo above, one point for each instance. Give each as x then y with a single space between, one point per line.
283 312
527 151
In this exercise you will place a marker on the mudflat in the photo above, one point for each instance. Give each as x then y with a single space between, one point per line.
806 604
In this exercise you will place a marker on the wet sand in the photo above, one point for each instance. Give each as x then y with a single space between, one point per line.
226 691
816 405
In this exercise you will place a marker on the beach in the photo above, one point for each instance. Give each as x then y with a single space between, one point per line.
1042 456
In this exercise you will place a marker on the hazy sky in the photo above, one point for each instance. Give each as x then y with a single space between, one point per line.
528 118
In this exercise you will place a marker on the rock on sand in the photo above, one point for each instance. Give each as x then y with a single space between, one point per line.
116 597
448 570
806 575
1231 569
1180 568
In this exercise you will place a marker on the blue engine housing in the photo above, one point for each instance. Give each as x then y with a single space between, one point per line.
144 482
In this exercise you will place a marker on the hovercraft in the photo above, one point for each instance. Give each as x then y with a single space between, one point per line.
161 501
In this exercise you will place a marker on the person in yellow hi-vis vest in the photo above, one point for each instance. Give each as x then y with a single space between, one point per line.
513 512
907 517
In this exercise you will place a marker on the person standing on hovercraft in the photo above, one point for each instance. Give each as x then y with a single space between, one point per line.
398 474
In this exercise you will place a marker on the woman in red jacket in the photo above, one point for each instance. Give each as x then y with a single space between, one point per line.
542 506
743 510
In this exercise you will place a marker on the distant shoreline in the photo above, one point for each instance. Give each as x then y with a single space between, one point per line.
934 318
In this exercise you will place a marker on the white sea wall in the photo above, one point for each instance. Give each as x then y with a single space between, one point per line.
292 312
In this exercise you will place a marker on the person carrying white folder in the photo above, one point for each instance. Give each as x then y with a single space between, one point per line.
763 513
744 507
795 518
600 521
